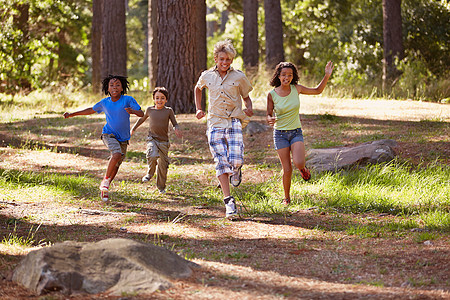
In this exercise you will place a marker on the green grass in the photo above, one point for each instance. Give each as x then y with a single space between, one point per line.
395 188
419 194
15 239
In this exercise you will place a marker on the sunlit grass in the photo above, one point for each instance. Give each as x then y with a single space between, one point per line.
395 188
14 239
34 186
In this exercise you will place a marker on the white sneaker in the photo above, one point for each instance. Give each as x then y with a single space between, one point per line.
104 195
146 178
104 186
162 192
236 177
230 207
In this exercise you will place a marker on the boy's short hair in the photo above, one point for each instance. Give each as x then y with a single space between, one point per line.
123 80
225 46
162 90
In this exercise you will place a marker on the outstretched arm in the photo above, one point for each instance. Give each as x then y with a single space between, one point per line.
86 111
139 122
318 89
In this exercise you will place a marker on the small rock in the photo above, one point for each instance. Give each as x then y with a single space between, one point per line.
427 243
406 284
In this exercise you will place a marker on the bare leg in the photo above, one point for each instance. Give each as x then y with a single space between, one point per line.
298 155
285 158
224 184
112 168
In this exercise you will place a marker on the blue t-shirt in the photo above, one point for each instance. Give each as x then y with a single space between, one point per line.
117 118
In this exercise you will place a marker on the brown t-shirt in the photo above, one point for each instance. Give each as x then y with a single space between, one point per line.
159 122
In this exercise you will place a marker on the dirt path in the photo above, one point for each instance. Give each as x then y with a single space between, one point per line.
304 254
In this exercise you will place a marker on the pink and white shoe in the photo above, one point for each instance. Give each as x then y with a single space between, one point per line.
104 186
104 195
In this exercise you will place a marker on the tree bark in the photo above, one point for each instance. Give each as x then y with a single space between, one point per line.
96 45
177 52
274 33
392 39
20 21
152 42
224 20
201 55
251 45
211 26
114 39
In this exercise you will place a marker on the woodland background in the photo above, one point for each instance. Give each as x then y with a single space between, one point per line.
382 48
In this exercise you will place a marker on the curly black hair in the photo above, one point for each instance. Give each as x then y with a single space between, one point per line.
123 80
275 81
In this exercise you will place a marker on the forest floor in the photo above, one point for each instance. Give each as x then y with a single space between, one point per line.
299 254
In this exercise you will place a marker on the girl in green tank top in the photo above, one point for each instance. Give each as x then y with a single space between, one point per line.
284 101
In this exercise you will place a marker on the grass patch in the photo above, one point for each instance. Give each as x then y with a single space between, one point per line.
421 195
14 183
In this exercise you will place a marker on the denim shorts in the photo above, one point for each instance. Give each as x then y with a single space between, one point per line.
285 138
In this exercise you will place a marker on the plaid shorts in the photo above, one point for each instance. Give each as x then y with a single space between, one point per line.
227 147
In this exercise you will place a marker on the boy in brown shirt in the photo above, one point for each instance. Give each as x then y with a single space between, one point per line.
158 138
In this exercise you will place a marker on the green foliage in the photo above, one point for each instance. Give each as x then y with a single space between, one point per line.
351 34
427 33
52 47
136 30
43 43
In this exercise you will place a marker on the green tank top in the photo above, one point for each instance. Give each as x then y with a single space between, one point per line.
287 110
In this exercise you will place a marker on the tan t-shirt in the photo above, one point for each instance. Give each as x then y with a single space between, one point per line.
225 96
159 122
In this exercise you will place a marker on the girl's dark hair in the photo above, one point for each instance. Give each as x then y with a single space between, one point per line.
162 90
123 80
275 81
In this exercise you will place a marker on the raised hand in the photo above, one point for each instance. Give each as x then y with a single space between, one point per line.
329 68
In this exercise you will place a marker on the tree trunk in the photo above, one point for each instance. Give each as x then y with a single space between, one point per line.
251 45
211 26
201 55
224 20
274 33
152 42
177 52
96 45
392 39
20 21
114 39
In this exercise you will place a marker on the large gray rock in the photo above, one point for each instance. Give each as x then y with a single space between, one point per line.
254 127
335 159
113 265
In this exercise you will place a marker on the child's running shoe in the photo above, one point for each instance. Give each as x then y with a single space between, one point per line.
236 177
230 208
104 195
146 178
104 186
306 175
287 201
